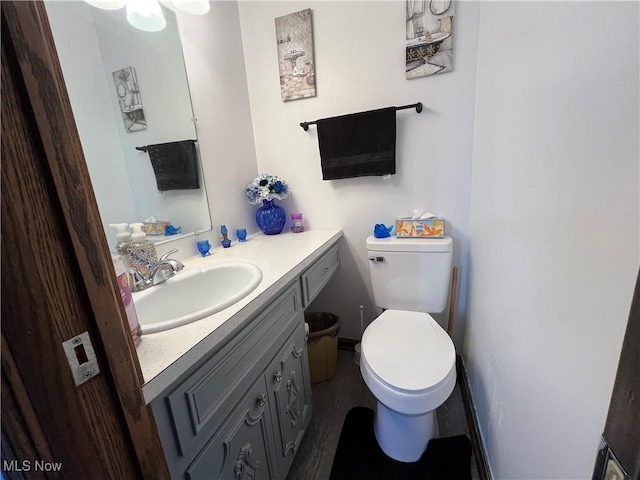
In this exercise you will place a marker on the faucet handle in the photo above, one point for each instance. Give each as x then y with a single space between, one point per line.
176 265
166 255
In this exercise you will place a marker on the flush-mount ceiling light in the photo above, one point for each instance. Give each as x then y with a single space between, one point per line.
107 4
145 15
192 7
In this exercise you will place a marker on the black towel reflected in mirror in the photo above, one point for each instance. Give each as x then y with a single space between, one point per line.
175 165
359 144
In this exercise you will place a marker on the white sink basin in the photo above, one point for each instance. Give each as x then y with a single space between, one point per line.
194 293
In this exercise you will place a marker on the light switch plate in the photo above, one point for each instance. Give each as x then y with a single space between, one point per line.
613 469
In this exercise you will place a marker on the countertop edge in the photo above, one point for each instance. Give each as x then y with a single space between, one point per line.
164 380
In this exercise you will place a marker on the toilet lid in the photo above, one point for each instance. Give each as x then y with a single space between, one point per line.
408 350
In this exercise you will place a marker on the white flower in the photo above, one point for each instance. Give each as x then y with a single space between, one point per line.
266 187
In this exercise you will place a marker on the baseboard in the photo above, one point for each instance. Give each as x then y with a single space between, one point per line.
472 420
347 343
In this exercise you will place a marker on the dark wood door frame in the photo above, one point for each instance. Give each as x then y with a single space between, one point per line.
622 429
58 281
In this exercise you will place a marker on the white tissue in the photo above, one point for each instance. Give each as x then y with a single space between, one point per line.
386 177
420 214
151 219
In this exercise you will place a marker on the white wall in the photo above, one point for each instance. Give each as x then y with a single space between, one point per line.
359 58
554 229
215 67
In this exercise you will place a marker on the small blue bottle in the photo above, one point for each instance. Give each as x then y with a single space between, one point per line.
226 243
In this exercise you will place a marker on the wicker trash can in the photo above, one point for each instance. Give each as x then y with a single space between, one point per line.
322 344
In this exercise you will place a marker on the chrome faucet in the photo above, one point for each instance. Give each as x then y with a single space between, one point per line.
176 265
167 266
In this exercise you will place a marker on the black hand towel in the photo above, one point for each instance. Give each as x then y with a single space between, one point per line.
357 145
175 165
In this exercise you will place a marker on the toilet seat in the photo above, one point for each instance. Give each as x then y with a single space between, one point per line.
408 350
408 361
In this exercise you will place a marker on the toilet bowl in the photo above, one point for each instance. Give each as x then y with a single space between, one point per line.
408 362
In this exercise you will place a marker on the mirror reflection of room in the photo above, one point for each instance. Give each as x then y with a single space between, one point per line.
130 98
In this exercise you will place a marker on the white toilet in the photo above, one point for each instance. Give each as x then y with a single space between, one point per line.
408 361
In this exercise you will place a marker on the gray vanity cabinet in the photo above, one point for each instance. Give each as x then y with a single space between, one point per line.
242 411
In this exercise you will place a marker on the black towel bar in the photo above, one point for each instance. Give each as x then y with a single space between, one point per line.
145 148
417 106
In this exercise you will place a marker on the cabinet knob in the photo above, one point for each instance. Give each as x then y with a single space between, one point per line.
262 400
277 376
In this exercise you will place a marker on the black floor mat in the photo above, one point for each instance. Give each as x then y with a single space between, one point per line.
359 457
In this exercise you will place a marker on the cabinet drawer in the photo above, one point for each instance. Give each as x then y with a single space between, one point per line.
317 275
199 405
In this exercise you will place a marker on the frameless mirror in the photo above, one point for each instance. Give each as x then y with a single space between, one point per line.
128 90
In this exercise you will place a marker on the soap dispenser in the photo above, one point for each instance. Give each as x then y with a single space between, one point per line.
142 253
123 240
125 293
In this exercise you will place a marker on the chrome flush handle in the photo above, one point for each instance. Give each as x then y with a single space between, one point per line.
376 259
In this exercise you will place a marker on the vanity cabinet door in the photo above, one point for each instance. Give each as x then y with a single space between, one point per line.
290 396
242 449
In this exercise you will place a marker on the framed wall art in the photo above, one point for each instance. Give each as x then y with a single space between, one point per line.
129 99
429 47
294 37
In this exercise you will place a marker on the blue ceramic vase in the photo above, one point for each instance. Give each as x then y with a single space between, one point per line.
270 217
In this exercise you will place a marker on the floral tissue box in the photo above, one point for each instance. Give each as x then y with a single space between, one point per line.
420 228
155 228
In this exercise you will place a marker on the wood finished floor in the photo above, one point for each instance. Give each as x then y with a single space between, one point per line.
331 402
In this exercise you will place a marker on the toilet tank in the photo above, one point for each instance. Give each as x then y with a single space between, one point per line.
410 273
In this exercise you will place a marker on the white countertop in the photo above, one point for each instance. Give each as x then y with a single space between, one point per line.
165 356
